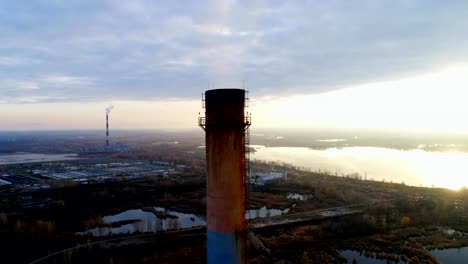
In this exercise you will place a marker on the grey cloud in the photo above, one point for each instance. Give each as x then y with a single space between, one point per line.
88 50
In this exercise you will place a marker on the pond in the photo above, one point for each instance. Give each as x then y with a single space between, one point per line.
155 219
445 256
265 212
152 219
451 255
298 196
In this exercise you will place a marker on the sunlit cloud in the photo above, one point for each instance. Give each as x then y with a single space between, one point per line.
429 102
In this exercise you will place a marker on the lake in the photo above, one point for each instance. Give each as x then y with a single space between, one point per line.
22 157
413 167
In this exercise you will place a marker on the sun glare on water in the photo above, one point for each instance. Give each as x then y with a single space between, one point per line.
412 167
443 169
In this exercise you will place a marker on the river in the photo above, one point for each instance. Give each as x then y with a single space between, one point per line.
413 167
24 157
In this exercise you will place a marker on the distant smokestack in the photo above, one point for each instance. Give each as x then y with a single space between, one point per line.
225 126
107 129
108 110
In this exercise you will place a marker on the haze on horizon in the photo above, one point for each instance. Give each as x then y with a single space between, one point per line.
395 65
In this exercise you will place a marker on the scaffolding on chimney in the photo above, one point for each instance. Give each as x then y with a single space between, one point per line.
247 122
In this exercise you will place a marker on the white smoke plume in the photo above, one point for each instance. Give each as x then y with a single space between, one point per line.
109 109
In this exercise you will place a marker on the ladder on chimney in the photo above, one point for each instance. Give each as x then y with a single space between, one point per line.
247 122
247 154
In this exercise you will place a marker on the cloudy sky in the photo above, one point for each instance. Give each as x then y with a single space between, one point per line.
395 64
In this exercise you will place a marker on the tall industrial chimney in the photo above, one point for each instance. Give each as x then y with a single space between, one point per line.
107 129
225 125
108 110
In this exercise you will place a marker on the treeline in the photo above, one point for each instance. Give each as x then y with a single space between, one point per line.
74 209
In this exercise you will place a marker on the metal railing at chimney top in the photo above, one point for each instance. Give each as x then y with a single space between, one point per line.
202 121
203 101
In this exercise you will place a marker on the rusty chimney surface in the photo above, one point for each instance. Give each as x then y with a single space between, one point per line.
225 154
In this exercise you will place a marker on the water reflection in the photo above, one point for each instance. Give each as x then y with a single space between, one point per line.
265 212
155 219
151 219
414 167
451 255
350 255
22 157
298 196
